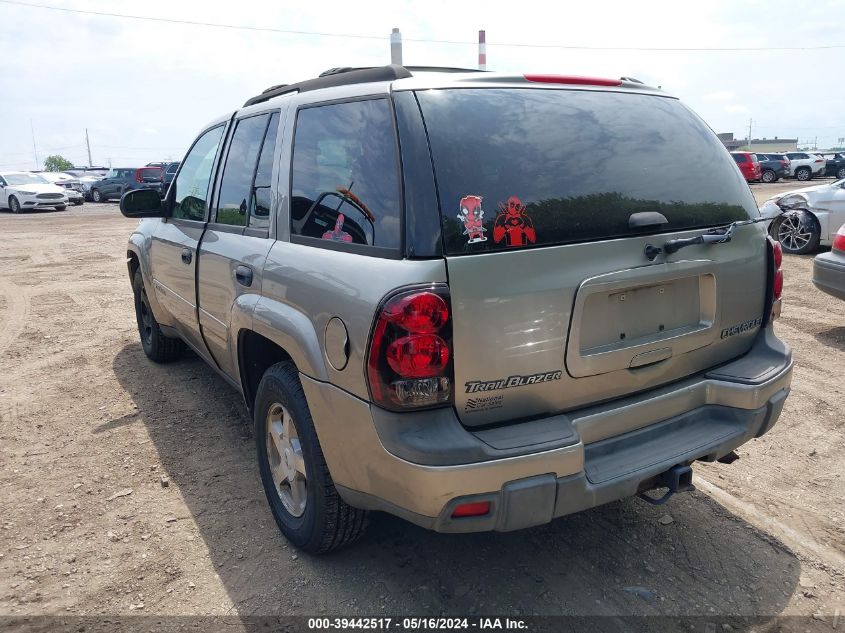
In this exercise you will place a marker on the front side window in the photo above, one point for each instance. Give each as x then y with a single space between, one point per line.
345 182
190 188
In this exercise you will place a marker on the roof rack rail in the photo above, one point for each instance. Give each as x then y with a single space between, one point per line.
343 76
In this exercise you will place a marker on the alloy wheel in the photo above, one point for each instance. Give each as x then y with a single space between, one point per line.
792 235
287 463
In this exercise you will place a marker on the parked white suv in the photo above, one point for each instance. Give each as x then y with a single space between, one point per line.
803 165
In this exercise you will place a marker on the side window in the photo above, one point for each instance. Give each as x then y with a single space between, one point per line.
236 186
190 188
171 169
345 182
738 158
261 201
111 173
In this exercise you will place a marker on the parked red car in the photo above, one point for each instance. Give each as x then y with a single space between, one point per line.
748 165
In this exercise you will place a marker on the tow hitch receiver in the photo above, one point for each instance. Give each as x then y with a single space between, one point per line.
676 479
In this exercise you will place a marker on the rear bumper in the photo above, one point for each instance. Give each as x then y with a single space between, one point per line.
829 274
420 466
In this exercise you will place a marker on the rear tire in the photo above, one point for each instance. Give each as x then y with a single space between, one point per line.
14 205
61 207
769 176
315 519
77 203
158 347
798 233
96 196
803 174
840 173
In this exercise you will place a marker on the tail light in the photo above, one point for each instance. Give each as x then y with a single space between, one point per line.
409 364
839 239
776 290
138 177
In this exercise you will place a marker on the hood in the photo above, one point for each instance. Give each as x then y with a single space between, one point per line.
36 187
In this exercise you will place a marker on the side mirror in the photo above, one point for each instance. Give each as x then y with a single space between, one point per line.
142 203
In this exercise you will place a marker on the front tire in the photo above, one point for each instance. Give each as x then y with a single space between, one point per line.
61 207
158 347
769 176
96 196
297 482
14 205
798 233
840 173
803 174
77 203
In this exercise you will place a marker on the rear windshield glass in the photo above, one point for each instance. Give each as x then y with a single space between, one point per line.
151 173
530 167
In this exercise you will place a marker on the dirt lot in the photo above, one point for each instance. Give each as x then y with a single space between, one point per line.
90 430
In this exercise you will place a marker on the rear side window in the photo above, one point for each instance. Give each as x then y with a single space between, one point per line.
345 180
738 158
526 167
235 188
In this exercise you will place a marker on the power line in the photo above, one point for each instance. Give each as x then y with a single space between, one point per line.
359 36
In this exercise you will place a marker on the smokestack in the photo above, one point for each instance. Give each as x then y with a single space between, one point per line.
396 47
482 50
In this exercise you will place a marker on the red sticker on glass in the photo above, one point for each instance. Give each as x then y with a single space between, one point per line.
513 225
471 215
338 234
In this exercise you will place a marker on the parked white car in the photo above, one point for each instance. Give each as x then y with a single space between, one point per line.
23 190
805 218
804 165
71 185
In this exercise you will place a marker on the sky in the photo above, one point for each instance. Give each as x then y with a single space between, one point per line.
144 88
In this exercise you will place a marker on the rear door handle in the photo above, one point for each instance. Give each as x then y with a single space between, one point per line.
244 275
187 255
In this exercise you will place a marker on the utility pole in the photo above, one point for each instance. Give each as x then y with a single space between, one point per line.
396 47
750 121
88 144
34 149
482 50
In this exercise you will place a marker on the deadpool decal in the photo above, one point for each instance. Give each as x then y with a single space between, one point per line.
338 234
471 215
512 224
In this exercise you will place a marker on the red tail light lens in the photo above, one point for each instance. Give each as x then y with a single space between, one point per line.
839 239
418 355
777 279
421 312
778 254
409 360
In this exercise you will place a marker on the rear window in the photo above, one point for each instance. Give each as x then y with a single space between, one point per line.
526 167
150 173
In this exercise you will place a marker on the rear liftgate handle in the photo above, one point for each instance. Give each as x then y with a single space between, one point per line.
244 275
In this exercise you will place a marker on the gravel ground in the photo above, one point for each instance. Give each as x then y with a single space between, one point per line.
130 488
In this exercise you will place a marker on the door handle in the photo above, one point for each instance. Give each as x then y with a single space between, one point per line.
244 275
187 255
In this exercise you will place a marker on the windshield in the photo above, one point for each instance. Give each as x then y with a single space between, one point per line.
24 179
525 167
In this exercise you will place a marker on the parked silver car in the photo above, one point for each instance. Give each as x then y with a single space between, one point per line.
804 219
432 310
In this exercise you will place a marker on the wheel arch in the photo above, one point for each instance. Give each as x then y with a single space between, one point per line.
256 354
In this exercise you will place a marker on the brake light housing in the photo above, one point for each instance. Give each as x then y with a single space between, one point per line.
409 360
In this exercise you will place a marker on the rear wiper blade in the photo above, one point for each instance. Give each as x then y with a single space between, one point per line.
718 235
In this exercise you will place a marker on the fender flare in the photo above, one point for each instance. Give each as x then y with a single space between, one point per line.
293 331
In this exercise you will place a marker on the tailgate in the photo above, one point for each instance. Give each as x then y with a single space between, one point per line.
546 330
